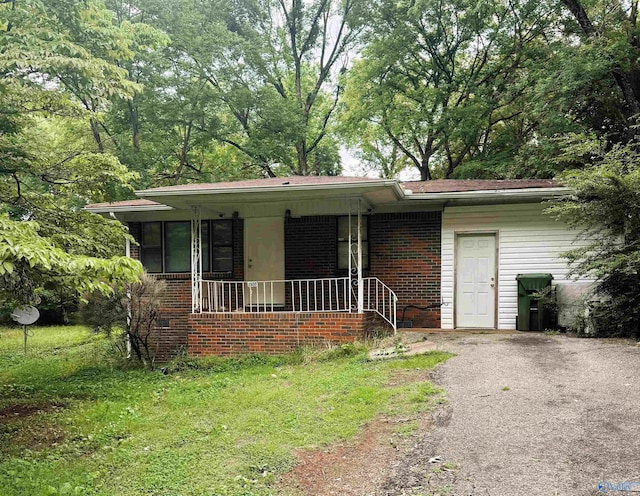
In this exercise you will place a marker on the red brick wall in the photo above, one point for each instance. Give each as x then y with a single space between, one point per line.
310 247
405 255
230 334
170 335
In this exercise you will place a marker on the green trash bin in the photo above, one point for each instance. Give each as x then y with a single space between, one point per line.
531 316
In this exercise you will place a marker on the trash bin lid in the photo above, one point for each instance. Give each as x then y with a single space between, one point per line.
534 282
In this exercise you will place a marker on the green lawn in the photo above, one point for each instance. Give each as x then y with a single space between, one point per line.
85 425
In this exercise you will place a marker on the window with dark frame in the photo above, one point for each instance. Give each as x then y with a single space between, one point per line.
165 247
222 245
177 246
151 246
343 240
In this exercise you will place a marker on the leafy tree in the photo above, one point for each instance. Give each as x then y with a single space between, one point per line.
604 206
608 33
30 263
372 146
260 77
443 80
48 169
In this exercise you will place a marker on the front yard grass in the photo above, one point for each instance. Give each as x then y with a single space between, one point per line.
72 421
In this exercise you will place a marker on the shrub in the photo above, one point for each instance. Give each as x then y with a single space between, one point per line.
135 309
604 206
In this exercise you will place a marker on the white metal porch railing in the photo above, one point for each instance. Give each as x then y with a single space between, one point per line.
301 295
379 298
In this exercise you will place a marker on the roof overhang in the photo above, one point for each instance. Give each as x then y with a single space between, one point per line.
373 192
118 209
329 198
488 196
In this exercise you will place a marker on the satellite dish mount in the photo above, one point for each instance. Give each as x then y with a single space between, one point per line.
25 315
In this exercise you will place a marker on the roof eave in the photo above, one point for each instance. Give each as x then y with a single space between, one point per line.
504 194
125 209
151 193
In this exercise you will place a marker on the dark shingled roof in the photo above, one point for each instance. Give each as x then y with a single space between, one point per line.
417 187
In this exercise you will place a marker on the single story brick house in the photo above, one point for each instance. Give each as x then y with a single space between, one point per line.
281 262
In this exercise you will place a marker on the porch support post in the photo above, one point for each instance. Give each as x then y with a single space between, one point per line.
350 258
196 260
360 281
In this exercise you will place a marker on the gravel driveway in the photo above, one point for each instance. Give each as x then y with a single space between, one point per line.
529 414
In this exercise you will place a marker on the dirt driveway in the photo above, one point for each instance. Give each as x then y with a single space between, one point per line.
529 414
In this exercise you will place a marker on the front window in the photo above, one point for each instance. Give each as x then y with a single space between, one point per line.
151 246
343 241
222 245
166 246
177 246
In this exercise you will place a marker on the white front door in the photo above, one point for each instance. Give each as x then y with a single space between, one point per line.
264 260
475 299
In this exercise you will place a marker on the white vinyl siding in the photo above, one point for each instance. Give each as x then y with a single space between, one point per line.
528 241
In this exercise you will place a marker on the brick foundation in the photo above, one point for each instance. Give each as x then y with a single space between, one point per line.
232 334
170 336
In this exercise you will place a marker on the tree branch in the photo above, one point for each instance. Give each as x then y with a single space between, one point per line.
580 15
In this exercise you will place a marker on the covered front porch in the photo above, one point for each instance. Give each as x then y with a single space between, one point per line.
269 268
278 246
338 294
264 256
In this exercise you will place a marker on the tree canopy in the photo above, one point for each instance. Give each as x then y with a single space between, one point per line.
98 97
57 74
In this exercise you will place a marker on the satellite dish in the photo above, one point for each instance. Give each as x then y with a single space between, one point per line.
25 315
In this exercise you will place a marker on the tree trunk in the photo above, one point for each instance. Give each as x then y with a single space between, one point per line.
135 126
303 158
425 173
95 129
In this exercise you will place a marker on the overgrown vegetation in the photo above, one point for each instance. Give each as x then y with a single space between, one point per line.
133 308
606 208
73 422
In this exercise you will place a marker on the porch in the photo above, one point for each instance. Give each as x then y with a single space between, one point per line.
265 288
273 269
325 295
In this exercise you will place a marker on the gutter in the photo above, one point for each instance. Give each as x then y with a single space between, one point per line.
130 208
488 194
150 193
